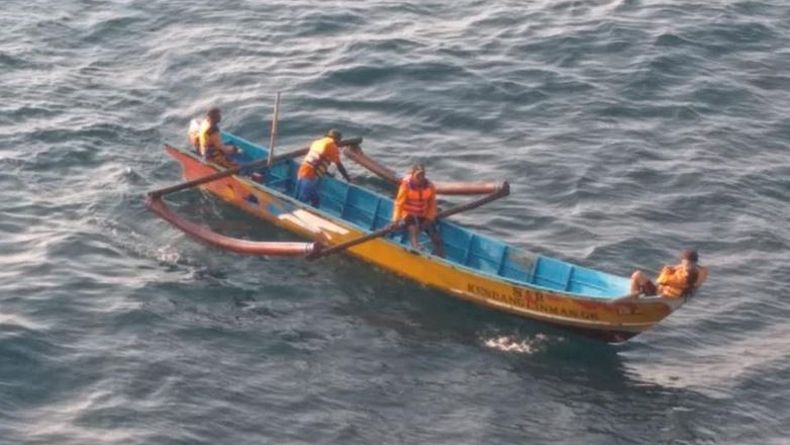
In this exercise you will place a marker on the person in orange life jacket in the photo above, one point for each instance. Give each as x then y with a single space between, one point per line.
207 139
415 207
323 152
674 281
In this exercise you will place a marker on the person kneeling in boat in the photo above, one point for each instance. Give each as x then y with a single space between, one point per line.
415 208
678 281
207 139
323 152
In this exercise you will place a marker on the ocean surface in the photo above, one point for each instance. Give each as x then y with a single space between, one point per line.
628 129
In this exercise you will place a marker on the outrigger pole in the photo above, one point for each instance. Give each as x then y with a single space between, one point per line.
225 173
235 170
208 236
501 190
156 204
355 153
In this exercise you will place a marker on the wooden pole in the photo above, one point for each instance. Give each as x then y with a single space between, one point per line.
225 173
502 190
237 169
275 119
355 153
208 236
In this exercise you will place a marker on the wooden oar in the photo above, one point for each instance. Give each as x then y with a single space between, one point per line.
355 153
237 169
503 190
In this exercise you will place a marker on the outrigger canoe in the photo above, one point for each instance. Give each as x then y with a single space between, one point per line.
476 267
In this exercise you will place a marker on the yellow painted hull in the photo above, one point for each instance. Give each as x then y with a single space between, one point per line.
607 319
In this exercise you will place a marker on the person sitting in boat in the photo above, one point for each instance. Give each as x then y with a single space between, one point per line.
415 207
323 152
207 140
674 281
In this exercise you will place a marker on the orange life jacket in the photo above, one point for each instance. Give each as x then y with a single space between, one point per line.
317 156
677 282
418 197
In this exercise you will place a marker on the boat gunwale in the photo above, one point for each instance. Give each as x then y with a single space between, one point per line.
610 299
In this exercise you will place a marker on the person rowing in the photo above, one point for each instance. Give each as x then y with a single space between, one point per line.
323 153
415 208
206 137
677 281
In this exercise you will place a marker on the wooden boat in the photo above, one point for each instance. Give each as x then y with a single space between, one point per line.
476 268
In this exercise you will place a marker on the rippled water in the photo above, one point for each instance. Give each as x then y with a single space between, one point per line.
628 130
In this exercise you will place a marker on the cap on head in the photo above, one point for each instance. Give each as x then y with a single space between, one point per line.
690 255
334 134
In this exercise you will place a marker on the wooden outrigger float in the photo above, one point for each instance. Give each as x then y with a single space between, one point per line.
353 219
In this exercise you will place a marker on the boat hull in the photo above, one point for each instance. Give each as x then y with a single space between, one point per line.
606 319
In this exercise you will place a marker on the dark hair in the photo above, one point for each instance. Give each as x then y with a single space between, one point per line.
334 134
690 255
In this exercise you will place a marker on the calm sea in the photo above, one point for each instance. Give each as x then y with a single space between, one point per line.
628 129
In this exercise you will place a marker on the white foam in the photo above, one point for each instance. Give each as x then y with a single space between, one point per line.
512 343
